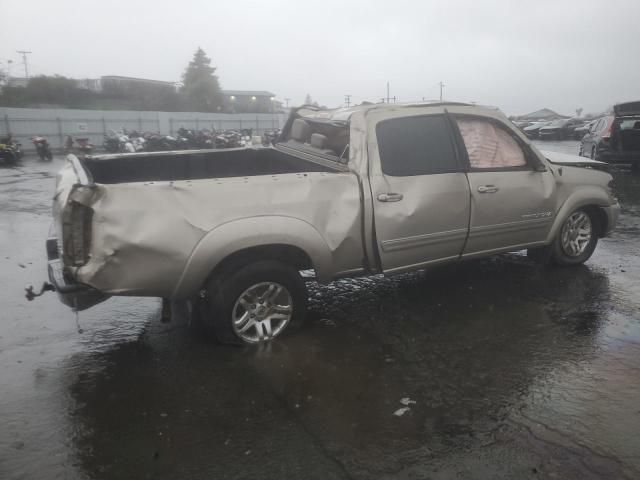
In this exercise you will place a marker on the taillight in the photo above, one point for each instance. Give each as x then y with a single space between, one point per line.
607 132
77 234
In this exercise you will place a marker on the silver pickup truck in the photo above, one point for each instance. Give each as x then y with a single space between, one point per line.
358 191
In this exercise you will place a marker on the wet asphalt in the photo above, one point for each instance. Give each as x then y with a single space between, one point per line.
488 369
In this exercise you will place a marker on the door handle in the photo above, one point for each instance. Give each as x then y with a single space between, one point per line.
390 197
488 189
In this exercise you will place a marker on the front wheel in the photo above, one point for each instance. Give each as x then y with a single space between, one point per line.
576 239
254 303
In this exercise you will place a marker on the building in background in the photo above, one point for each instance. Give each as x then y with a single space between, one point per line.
542 114
251 101
116 82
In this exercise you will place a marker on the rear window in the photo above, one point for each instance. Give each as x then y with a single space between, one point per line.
416 146
630 123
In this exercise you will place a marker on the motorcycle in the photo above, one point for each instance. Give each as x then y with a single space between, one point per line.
228 139
79 145
42 148
118 142
10 151
269 137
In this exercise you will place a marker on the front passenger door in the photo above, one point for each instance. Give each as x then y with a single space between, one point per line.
512 204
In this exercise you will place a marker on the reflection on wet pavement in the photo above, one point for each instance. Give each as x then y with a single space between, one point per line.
516 371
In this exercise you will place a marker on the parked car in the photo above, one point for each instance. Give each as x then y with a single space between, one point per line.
559 129
533 130
615 138
581 130
373 189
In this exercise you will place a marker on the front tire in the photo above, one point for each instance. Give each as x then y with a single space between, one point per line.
575 242
254 303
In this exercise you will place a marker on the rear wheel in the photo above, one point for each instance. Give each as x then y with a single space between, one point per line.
254 303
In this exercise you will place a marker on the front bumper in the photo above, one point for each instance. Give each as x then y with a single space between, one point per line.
612 212
610 156
73 294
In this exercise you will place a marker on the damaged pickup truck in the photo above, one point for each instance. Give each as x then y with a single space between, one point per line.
346 192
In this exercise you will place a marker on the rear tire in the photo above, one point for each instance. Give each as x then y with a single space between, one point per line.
254 303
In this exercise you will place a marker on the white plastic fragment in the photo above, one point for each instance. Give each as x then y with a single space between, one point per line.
401 411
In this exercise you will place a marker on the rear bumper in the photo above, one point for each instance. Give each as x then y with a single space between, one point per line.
73 294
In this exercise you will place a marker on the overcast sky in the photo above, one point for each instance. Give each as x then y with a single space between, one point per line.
517 55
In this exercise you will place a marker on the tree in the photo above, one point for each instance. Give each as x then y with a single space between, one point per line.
308 100
200 85
578 112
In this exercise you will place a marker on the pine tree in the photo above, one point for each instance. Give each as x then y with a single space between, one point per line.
200 86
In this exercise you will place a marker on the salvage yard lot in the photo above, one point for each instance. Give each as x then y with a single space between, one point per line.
516 371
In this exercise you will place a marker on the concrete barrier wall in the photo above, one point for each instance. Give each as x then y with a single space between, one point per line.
55 124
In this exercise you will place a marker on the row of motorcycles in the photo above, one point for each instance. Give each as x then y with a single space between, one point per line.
131 141
11 151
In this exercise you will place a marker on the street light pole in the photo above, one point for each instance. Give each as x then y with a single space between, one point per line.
442 85
24 54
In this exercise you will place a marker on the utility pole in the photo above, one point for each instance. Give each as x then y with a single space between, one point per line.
388 92
24 54
442 85
347 100
286 100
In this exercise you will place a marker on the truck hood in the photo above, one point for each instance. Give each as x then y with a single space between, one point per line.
573 160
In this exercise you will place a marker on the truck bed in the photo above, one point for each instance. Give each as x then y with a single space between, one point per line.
195 164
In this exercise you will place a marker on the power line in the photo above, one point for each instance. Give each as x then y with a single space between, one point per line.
24 54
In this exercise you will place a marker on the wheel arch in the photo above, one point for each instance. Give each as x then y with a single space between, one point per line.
590 203
288 239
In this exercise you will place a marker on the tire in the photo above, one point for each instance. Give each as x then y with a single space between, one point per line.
254 303
577 239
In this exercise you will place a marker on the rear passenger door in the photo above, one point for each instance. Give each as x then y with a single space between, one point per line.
419 189
512 204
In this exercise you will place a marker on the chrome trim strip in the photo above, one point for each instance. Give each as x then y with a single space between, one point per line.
500 228
423 240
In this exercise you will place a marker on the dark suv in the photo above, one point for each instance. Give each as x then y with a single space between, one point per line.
615 138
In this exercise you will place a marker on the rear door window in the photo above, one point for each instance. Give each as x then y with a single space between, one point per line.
490 146
420 145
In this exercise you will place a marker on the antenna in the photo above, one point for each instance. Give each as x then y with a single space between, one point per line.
24 54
